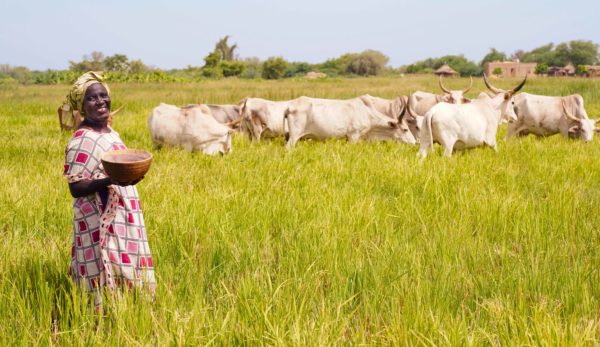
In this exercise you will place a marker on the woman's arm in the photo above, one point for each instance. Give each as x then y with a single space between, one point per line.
87 187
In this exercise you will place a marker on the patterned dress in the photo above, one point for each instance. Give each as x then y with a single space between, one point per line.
110 245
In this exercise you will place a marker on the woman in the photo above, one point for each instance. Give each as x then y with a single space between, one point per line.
110 246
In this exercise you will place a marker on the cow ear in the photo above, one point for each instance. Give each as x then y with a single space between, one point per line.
574 129
597 130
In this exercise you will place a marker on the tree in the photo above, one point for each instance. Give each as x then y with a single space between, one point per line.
117 62
493 55
583 53
253 68
541 69
517 55
274 68
137 67
93 62
497 71
367 63
543 54
226 51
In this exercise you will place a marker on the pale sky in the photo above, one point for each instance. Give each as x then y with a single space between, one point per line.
46 34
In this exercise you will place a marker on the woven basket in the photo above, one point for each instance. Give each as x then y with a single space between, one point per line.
126 165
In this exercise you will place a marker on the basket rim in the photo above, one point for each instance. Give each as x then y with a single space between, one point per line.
105 155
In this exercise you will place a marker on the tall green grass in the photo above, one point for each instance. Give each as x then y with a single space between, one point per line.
330 243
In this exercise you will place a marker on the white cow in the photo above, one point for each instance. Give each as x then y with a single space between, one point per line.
420 102
467 125
548 115
263 118
354 119
395 108
191 127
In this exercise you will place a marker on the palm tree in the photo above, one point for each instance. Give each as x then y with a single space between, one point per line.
226 51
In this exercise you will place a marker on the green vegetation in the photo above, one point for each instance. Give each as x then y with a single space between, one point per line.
328 244
223 62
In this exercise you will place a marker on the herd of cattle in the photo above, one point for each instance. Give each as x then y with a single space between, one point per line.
450 119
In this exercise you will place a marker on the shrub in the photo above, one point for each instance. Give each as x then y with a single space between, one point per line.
274 68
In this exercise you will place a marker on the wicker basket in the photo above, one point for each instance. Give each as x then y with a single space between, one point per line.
126 165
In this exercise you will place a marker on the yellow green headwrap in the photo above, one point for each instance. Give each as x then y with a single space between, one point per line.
75 96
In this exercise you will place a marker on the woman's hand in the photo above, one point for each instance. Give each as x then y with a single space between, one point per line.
125 184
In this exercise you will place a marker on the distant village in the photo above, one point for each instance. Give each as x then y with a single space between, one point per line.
515 68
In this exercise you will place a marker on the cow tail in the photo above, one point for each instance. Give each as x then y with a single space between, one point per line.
427 131
429 121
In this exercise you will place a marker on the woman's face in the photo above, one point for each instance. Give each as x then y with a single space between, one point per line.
96 104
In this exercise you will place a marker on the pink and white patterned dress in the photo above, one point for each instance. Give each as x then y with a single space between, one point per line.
110 245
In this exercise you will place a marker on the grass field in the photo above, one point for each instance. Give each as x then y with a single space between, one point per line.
330 243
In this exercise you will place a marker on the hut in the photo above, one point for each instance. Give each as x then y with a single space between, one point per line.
557 71
445 71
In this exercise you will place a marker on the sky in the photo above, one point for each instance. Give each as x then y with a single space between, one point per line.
171 34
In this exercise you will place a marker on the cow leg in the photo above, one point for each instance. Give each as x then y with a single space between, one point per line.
448 151
353 137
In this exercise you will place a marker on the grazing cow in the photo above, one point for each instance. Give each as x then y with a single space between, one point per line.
467 125
263 118
354 119
71 120
225 113
395 108
420 102
191 127
548 115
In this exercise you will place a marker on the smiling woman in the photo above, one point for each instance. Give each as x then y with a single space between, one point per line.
110 246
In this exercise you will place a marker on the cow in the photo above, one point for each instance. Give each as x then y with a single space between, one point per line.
467 125
395 108
354 119
225 113
420 102
191 127
261 118
71 120
548 115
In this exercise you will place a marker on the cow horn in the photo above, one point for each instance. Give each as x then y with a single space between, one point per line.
442 86
568 114
470 85
411 112
490 87
234 123
117 110
517 88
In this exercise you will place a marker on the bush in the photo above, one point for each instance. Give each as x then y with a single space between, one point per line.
232 68
497 71
541 69
274 68
367 63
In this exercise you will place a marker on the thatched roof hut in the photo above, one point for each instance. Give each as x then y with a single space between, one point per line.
445 71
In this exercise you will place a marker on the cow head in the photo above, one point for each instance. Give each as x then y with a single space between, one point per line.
455 96
583 128
504 100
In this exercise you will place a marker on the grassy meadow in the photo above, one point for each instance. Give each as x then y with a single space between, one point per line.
328 244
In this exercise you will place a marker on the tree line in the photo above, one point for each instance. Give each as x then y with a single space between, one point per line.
224 62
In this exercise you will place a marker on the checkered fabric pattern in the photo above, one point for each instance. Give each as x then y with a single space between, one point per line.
110 245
